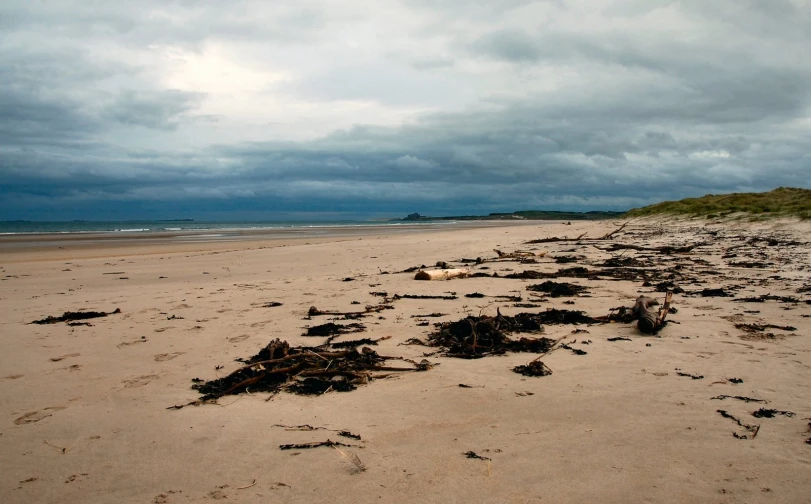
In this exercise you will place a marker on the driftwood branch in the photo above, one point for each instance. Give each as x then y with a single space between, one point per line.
650 319
556 239
443 274
667 249
608 236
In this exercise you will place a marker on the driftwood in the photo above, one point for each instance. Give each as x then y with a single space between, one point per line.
443 274
607 236
314 312
667 249
518 254
651 320
555 239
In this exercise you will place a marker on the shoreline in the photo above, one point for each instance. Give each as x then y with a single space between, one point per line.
22 247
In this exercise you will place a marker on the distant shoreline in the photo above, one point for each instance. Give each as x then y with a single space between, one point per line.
99 242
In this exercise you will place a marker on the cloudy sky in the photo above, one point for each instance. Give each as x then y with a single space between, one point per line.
345 109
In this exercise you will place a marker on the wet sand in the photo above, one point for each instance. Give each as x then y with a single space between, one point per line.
85 415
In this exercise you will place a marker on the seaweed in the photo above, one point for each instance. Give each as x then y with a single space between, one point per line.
421 296
740 398
301 370
331 329
475 337
768 297
669 287
317 444
751 428
771 413
555 316
575 351
753 328
621 262
369 309
555 289
534 368
69 316
354 343
713 293
474 455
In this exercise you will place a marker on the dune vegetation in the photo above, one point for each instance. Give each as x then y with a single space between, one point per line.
781 202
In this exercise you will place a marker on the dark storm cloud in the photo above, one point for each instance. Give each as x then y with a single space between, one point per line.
192 108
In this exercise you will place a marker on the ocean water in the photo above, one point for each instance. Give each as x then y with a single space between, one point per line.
153 226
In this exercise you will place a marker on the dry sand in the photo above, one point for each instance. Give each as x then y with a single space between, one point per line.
616 425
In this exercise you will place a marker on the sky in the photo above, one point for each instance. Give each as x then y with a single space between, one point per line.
327 109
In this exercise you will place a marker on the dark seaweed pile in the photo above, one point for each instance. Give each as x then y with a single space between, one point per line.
475 337
301 370
69 316
558 289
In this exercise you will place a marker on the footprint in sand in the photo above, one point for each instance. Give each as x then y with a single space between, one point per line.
217 495
74 477
139 381
36 416
128 343
167 356
63 357
237 339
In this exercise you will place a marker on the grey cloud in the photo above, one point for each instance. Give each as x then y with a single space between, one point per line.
519 116
432 63
172 22
152 109
30 118
513 45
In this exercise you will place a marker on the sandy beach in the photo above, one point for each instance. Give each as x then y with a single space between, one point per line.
629 418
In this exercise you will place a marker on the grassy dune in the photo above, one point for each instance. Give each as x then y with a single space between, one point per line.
781 202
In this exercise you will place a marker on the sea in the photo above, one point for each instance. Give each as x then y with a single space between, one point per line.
157 226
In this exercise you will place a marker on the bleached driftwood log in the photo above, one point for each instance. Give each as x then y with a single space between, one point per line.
443 274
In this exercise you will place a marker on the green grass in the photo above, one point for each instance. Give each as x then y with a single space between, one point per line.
781 202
